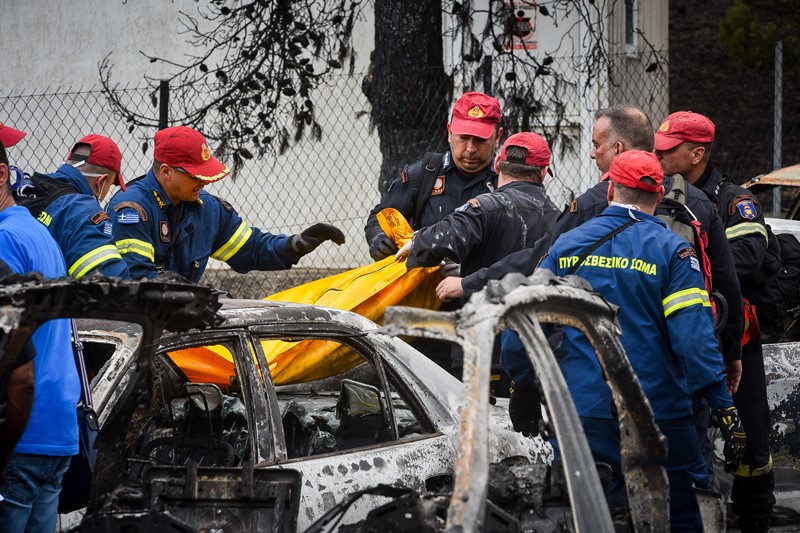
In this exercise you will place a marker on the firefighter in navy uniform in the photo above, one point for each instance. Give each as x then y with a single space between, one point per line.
448 179
633 260
68 203
518 209
165 221
683 146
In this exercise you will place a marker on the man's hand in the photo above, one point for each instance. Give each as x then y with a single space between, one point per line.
381 247
449 289
306 242
733 371
727 420
525 410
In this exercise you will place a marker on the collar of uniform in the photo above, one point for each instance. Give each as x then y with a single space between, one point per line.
706 182
624 212
520 185
72 176
152 184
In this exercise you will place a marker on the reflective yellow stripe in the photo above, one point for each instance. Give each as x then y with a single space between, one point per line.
240 236
685 298
135 246
89 261
748 471
746 228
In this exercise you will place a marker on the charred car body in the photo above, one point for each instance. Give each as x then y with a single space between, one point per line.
181 455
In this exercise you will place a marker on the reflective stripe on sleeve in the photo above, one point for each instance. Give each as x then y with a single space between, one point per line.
685 298
746 228
135 246
234 244
91 260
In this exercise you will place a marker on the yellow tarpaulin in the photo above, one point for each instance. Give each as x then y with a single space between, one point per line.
366 290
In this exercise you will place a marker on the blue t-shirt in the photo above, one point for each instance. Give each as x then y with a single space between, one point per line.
26 246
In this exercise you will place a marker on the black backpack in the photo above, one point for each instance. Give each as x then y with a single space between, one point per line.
42 193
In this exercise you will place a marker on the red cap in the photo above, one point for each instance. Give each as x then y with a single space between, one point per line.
538 153
9 136
684 126
475 114
103 152
629 167
185 148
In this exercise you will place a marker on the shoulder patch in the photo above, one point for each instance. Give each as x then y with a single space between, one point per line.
683 253
694 264
97 218
745 205
474 202
140 212
226 205
573 206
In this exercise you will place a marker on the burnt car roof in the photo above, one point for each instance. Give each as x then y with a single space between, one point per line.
786 177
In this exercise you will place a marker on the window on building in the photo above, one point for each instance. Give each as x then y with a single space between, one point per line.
631 10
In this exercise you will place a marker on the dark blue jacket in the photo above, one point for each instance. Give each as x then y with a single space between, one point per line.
486 228
655 278
82 229
154 235
451 190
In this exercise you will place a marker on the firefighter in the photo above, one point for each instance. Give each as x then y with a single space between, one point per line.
636 262
68 203
432 188
165 221
683 145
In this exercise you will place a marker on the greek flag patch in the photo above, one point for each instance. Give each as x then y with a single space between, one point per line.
128 217
694 263
107 228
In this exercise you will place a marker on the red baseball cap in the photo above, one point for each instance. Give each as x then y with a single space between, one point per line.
475 114
103 152
629 167
186 148
684 126
538 153
9 136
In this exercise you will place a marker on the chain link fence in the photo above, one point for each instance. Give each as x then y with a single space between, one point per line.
335 180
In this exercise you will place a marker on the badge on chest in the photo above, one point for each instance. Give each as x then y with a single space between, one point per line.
438 186
163 231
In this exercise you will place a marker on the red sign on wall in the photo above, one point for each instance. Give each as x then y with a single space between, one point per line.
520 24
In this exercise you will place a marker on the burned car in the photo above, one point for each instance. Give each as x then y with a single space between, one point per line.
244 454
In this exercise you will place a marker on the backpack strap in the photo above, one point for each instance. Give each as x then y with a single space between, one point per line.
430 168
599 243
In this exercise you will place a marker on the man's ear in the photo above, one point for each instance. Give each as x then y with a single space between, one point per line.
610 193
497 139
698 154
4 174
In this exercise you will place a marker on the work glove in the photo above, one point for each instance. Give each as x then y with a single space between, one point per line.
729 424
381 247
524 409
449 269
306 242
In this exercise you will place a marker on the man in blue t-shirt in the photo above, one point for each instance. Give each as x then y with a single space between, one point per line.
29 494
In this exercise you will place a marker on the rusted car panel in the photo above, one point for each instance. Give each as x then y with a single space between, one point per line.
520 303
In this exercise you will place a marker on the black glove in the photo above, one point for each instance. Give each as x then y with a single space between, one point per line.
727 420
524 409
381 247
305 242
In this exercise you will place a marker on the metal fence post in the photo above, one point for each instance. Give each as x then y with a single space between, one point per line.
163 104
778 136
